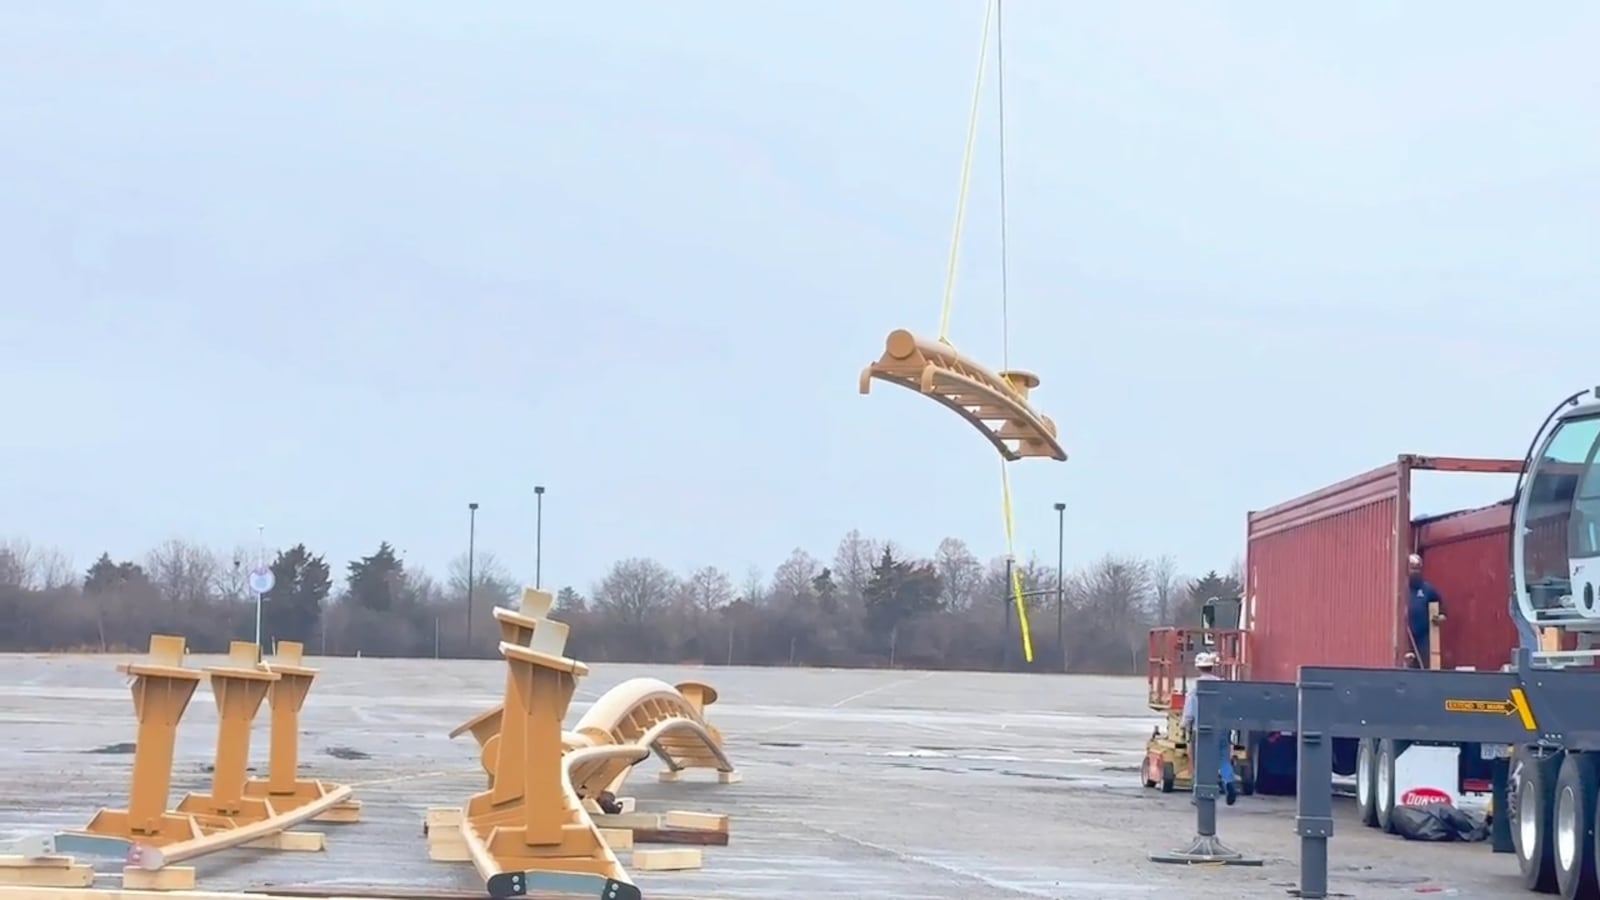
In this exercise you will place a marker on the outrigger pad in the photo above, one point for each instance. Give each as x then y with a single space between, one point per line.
1205 849
517 884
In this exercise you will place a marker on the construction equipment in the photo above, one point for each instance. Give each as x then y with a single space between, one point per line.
1173 653
1540 704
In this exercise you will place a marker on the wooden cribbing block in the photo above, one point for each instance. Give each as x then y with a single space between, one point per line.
695 821
344 813
617 838
690 836
291 842
44 872
628 820
729 778
676 859
170 878
441 818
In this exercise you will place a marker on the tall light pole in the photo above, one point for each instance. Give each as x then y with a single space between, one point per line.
538 536
1061 545
472 541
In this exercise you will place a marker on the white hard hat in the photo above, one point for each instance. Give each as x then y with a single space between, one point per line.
1414 560
1205 660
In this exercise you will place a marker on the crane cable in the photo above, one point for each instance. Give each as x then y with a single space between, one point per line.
991 17
1007 508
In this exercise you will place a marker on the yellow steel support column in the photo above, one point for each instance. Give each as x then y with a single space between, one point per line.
162 688
239 689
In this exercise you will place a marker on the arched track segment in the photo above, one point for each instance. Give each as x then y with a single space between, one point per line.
994 403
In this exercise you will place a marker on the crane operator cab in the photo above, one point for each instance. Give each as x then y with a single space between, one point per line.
1555 544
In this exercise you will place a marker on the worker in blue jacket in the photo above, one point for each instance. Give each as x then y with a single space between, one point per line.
1205 664
1419 594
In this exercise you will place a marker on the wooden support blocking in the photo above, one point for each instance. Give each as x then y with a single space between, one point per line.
44 872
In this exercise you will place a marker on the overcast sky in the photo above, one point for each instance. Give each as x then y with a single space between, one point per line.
339 269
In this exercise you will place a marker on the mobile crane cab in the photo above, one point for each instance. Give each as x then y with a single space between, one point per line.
1555 565
1555 544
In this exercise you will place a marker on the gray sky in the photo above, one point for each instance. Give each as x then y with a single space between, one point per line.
341 268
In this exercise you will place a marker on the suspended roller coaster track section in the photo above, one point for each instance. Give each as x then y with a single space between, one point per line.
994 403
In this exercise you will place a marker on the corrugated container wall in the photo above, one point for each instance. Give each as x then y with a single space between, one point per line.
1467 558
1325 575
1322 578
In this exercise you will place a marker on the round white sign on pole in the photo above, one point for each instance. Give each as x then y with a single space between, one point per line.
261 580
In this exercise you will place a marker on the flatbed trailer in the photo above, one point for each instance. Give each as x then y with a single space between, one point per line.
1544 702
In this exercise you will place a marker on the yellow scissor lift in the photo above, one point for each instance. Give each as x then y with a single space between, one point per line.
1167 763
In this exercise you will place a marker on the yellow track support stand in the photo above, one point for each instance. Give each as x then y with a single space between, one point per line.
529 830
283 787
230 814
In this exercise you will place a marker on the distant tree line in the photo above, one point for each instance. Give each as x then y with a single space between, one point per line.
874 605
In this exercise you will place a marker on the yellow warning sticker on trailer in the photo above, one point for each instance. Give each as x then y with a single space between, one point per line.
1502 707
1516 705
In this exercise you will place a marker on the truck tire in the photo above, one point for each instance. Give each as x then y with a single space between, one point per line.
1367 782
1388 750
1573 831
1532 791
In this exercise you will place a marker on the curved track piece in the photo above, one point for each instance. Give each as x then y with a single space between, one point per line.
994 403
648 712
645 713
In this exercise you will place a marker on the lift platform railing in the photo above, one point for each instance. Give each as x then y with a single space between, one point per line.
1171 661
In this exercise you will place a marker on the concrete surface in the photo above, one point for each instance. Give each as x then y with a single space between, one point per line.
858 784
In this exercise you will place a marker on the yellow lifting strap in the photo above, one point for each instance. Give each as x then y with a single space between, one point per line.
990 13
996 403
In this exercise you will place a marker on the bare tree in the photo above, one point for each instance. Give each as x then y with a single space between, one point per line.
852 565
185 574
16 564
792 580
960 573
706 589
635 588
1166 587
754 590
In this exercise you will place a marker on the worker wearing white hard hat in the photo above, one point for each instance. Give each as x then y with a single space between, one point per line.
1205 664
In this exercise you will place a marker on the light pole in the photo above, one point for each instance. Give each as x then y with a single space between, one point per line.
472 541
1061 544
538 536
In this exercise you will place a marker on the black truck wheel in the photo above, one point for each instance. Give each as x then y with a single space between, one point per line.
1534 773
1573 832
1383 783
1168 777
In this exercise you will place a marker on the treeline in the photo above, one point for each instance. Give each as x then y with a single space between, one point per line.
872 605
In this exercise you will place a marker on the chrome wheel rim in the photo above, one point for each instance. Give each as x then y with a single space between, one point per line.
1567 830
1385 786
1527 821
1364 775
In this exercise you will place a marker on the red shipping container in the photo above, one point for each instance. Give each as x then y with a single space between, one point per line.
1326 574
